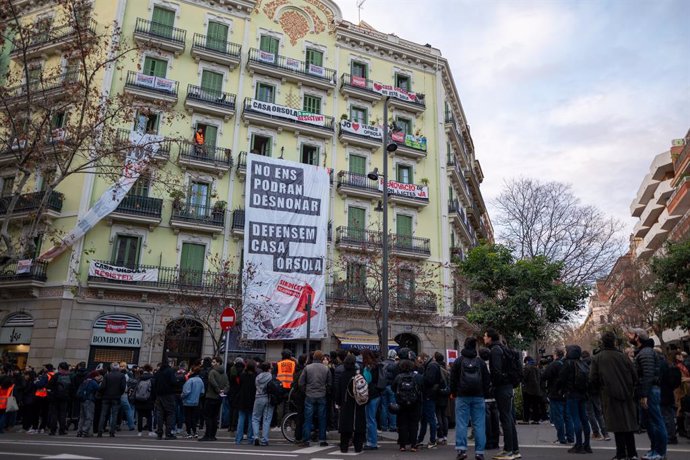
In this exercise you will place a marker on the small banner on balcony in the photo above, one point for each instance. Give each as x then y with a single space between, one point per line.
286 230
316 70
113 272
409 140
398 93
288 112
143 146
293 63
361 129
24 266
265 56
420 192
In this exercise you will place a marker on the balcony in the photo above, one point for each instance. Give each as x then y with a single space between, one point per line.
360 135
193 282
458 218
402 99
217 103
238 223
358 185
457 253
241 169
44 91
159 36
126 138
139 210
655 237
460 308
15 275
679 202
28 205
357 239
216 160
457 177
345 293
197 218
53 41
413 147
474 214
456 138
413 195
289 69
651 214
410 247
358 87
281 117
415 302
211 49
150 88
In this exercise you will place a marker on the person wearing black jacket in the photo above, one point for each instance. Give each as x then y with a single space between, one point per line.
469 382
408 414
371 374
558 411
648 365
352 418
244 402
670 379
576 398
111 389
493 424
144 407
531 391
431 383
164 386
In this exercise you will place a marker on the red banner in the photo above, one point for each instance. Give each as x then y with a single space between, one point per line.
113 326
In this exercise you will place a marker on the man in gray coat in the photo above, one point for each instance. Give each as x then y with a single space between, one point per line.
614 376
316 380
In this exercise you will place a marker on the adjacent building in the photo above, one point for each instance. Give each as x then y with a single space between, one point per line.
288 79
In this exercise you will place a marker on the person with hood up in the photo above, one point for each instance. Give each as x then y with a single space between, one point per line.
574 378
245 401
59 391
262 405
217 389
531 391
431 383
352 418
407 387
86 395
388 419
613 374
470 382
191 393
144 400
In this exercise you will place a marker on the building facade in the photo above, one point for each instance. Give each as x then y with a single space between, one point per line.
288 79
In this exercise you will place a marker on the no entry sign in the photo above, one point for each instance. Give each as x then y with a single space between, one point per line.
227 318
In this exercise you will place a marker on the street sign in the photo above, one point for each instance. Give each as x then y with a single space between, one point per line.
227 318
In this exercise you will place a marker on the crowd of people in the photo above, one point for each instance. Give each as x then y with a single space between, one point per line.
360 394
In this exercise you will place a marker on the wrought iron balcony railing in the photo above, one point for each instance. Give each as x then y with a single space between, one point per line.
30 202
210 96
160 31
140 206
206 154
292 65
36 272
194 213
215 45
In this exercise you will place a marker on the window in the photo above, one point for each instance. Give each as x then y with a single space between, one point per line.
355 217
451 193
312 104
406 285
199 198
402 81
126 251
211 82
404 124
310 154
356 277
162 22
405 174
358 114
192 263
38 244
210 134
147 122
6 186
403 225
314 57
261 145
452 239
35 73
358 164
269 44
58 120
265 93
217 36
141 186
155 67
41 32
71 73
46 177
359 69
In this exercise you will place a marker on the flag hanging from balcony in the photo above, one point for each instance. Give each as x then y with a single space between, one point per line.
285 237
143 147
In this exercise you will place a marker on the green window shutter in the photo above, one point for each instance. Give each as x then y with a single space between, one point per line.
155 67
358 114
312 104
210 135
192 263
265 93
212 81
314 57
217 36
140 187
355 217
126 251
162 22
359 69
269 44
358 164
404 174
403 225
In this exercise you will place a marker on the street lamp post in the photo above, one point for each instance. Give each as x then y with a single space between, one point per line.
374 175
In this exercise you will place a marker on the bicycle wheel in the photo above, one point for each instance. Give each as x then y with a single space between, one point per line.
289 427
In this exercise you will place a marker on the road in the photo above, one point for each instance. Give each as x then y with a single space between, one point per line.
536 443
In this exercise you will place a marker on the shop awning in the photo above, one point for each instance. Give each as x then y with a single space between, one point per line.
363 342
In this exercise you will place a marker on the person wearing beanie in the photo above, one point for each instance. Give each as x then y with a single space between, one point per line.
59 390
112 388
86 395
388 419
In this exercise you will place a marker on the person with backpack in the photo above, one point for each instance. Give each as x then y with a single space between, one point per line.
111 389
165 384
144 400
245 396
441 401
408 397
613 375
388 419
469 382
352 415
574 379
263 405
505 375
558 411
316 381
216 390
126 409
86 395
59 389
431 378
374 374
191 393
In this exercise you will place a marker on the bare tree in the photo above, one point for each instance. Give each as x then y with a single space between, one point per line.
60 121
546 218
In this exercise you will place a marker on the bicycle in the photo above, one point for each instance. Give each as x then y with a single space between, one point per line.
288 425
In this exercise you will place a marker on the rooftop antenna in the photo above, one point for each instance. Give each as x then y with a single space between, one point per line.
360 3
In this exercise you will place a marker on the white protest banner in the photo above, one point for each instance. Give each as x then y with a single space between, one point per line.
286 228
164 84
144 145
398 93
316 70
293 63
145 80
287 112
363 130
23 266
409 190
113 272
265 56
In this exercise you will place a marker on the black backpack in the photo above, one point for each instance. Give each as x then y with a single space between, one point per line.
275 392
83 391
407 393
581 377
512 366
63 386
382 381
470 376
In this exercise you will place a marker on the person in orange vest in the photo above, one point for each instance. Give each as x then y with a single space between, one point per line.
6 388
199 148
41 394
286 369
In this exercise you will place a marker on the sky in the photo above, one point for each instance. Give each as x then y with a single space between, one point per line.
585 92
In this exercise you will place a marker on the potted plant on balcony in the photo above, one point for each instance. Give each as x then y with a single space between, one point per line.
343 116
177 199
424 181
219 209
